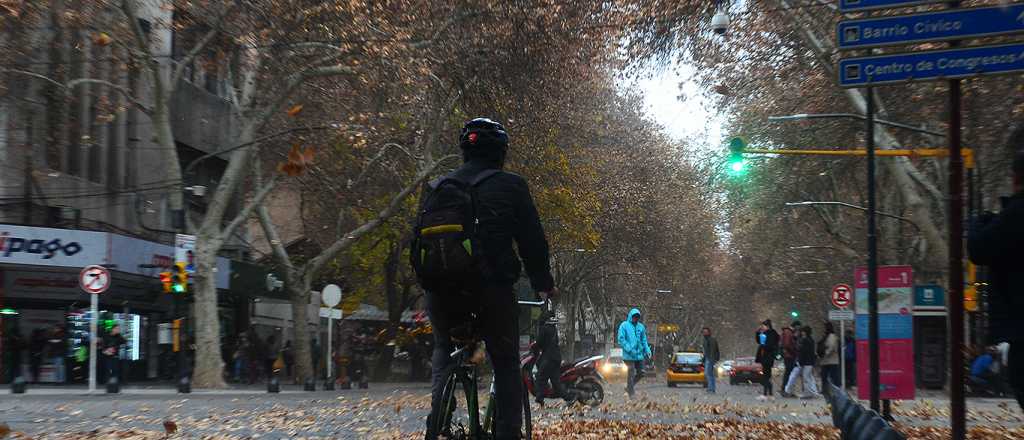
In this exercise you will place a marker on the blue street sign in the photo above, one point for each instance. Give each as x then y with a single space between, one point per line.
862 5
932 65
931 26
929 296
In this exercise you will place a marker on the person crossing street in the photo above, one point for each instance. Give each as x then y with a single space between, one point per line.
632 338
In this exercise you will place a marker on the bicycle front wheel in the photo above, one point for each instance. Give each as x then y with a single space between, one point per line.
442 417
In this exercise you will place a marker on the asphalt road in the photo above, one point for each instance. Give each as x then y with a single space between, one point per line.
398 411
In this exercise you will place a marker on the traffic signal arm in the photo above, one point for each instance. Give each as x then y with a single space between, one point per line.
968 154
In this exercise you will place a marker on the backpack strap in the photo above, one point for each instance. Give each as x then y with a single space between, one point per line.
483 175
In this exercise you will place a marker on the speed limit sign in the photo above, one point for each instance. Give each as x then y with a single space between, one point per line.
841 296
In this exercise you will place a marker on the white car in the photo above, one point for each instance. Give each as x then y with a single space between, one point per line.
725 367
612 367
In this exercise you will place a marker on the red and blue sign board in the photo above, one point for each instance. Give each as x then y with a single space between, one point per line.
895 332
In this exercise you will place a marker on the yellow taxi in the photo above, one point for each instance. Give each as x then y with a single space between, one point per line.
686 367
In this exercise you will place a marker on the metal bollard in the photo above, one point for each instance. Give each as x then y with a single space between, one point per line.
113 386
185 385
18 385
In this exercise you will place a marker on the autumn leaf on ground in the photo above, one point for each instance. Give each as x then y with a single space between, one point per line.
170 427
295 110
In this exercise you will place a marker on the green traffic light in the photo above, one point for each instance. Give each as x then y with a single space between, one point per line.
794 314
178 288
738 166
8 312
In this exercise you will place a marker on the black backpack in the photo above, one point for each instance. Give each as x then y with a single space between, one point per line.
446 250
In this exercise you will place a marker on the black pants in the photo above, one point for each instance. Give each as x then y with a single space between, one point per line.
829 373
790 365
497 321
548 373
112 367
766 367
634 371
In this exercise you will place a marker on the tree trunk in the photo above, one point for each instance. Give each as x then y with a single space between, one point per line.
570 331
165 138
395 306
209 364
208 369
298 291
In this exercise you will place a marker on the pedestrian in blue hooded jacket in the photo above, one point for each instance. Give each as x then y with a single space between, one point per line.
633 341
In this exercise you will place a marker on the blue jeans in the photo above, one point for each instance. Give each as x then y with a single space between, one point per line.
709 375
58 369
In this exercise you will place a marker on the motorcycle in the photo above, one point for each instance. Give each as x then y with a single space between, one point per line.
579 377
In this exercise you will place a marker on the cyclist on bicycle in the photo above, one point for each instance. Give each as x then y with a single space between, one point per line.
504 214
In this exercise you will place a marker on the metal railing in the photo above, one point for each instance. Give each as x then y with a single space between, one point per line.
856 422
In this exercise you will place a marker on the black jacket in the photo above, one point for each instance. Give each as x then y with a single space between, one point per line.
711 352
807 354
507 216
997 242
547 345
766 352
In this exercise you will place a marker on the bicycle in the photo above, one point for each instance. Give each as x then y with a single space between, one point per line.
467 356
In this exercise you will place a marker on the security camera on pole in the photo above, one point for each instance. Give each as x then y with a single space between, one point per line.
94 280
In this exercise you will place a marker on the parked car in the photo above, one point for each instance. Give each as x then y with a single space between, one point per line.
686 367
745 370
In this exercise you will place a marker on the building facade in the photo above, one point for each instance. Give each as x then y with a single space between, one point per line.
83 181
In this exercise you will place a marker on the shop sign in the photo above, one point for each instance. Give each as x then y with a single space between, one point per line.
43 285
50 246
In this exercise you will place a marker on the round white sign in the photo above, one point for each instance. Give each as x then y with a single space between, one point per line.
94 279
331 295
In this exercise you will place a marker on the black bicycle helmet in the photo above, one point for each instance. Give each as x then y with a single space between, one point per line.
483 133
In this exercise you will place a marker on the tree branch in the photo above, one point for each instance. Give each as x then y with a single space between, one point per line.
179 70
243 215
293 83
318 262
122 90
274 239
377 157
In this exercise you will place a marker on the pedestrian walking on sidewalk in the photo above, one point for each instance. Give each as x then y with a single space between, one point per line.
789 350
711 357
805 366
829 353
56 351
270 356
111 351
767 340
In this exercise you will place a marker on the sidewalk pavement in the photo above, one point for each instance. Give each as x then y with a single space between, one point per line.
164 388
